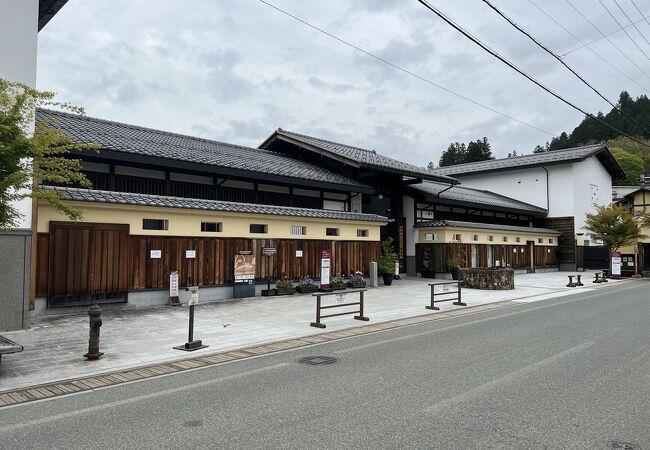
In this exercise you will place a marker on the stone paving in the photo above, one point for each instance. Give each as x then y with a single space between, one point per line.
54 345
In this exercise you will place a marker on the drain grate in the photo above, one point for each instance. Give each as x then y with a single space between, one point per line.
315 360
622 445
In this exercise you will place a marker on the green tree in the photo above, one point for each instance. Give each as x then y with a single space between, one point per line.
614 226
431 165
540 149
455 154
41 157
630 146
478 150
631 164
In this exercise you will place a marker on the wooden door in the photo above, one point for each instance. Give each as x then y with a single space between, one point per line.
88 263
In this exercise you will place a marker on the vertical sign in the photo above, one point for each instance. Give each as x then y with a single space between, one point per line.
173 288
356 203
616 265
325 269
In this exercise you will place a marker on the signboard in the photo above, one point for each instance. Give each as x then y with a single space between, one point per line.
269 251
190 254
194 296
325 269
355 203
155 254
616 265
244 269
173 287
298 253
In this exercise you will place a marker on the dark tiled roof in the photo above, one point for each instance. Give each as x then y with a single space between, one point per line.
538 159
364 157
148 142
48 9
473 197
125 198
484 226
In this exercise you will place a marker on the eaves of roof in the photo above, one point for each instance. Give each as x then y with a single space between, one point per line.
484 226
47 9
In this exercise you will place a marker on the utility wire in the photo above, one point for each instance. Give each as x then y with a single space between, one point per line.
605 35
550 52
630 20
475 40
608 39
637 8
585 45
619 24
401 69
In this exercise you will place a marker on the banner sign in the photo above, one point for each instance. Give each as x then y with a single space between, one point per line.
173 285
325 269
244 269
616 265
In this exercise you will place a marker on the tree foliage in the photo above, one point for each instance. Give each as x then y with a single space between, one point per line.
459 153
614 226
631 164
41 156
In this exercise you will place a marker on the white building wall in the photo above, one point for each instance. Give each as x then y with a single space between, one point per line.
561 191
592 187
18 45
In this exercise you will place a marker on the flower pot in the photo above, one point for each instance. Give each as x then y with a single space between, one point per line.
338 287
357 284
269 292
388 278
286 291
454 273
306 288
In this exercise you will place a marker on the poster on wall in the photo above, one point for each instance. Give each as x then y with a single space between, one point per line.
173 288
244 269
616 265
325 269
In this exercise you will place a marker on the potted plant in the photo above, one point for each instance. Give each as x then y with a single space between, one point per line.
338 282
285 286
306 285
357 280
386 262
457 254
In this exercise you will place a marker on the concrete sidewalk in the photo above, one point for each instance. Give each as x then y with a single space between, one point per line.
54 346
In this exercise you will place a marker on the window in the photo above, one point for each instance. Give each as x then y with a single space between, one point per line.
331 231
475 237
298 230
211 227
258 228
430 237
518 239
505 238
137 172
490 238
335 205
188 178
540 241
155 224
550 241
456 237
362 233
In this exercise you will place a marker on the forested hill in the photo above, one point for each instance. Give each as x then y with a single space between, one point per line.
591 131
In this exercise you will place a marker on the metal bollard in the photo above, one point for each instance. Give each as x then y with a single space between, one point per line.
579 283
95 313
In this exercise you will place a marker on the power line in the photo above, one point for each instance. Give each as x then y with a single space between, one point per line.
630 20
585 45
550 52
624 30
606 37
401 69
522 72
637 8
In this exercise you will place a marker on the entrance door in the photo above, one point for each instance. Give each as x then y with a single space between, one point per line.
88 263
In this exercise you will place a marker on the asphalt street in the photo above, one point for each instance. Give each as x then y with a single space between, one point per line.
570 372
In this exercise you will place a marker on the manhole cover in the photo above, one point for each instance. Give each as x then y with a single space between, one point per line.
623 445
313 360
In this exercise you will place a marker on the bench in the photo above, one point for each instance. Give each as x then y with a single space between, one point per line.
341 303
600 278
8 346
456 301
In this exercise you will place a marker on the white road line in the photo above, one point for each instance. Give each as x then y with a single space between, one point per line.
472 322
135 399
441 406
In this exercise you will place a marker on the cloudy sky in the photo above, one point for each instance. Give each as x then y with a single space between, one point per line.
235 70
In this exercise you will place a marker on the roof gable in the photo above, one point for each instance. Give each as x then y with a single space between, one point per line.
48 9
356 156
565 156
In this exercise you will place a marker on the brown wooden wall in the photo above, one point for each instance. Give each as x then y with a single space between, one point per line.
212 266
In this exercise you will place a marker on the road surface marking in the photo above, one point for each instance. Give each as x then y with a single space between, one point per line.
135 399
512 376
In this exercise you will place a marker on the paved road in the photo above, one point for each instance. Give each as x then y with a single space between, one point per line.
571 372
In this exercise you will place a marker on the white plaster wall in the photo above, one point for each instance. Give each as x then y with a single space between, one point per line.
411 232
527 185
586 174
18 42
561 187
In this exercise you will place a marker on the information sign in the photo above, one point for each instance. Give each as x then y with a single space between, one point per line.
616 265
244 269
298 253
269 251
155 254
173 284
190 254
194 296
325 269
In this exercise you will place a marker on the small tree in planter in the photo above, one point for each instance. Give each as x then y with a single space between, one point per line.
456 256
386 262
306 285
338 282
357 280
285 286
